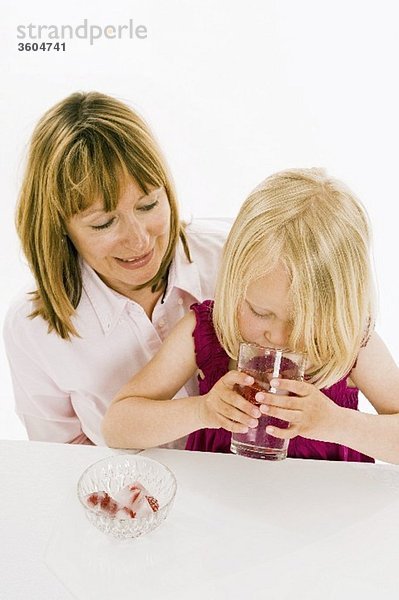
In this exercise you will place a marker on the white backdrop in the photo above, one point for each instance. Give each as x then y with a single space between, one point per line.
233 90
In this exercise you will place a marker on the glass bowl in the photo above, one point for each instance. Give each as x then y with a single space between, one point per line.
114 473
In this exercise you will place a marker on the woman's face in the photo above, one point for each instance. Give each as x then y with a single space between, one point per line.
126 246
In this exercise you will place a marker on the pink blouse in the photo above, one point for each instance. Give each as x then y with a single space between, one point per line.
63 388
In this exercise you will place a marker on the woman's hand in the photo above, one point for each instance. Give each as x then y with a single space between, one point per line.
310 413
223 407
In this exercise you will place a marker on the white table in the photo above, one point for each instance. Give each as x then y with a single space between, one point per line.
239 528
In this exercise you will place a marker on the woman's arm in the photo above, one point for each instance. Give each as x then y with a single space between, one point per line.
44 408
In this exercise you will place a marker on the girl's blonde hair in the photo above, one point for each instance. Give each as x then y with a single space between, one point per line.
320 232
83 149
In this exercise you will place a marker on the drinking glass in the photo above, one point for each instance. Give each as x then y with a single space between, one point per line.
264 364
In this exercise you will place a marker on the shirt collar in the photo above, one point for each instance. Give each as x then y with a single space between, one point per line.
184 275
107 304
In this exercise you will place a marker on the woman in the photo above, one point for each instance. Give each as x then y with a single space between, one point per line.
114 267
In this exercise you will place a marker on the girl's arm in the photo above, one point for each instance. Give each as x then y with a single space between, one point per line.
377 376
312 414
136 418
143 415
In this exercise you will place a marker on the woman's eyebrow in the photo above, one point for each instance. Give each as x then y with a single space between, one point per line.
91 212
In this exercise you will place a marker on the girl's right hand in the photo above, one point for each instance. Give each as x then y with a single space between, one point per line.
223 407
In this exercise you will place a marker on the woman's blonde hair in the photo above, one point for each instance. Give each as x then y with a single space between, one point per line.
315 227
83 149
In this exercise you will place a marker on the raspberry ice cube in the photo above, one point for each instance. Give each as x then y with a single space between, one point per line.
130 502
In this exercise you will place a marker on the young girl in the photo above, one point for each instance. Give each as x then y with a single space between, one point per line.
295 273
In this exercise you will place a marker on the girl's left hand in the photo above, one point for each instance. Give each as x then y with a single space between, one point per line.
310 413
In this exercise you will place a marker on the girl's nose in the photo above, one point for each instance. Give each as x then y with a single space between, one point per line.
277 336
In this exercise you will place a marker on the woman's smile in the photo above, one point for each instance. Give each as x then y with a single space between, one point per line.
135 263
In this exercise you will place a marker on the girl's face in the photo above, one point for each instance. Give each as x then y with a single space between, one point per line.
263 317
125 247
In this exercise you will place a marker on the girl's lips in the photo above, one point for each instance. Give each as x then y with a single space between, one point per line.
137 263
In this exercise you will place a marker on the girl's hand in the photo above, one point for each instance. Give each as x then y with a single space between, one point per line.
310 412
223 407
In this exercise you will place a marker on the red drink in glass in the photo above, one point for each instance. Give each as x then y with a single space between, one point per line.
263 364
